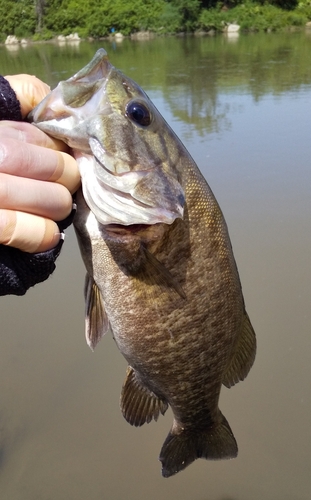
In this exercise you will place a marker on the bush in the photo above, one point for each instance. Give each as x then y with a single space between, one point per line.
44 34
212 19
253 17
17 18
66 18
170 20
189 11
97 18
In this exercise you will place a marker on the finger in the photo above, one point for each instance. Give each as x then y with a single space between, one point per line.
25 132
29 91
66 172
27 232
46 199
34 162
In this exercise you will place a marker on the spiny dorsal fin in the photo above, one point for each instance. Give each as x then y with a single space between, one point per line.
138 404
164 273
96 320
244 356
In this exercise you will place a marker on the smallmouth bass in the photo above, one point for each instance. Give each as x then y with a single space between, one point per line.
160 268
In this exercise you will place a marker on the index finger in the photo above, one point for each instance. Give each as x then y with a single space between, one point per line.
26 132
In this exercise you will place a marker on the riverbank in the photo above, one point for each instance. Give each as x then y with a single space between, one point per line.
164 17
232 30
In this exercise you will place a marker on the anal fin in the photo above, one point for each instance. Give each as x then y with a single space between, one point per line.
244 355
138 404
96 320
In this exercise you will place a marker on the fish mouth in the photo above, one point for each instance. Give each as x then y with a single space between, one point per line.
145 233
131 228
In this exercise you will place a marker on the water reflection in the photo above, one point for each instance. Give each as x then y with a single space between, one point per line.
242 110
191 72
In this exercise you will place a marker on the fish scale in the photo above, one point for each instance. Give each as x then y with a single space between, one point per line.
160 267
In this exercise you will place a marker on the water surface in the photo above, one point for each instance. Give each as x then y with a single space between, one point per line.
242 108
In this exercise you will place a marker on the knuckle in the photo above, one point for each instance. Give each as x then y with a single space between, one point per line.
3 150
3 223
4 190
57 200
65 206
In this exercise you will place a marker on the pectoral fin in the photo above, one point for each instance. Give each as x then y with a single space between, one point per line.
164 273
244 355
138 404
96 320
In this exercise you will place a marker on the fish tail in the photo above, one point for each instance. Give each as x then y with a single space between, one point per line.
181 448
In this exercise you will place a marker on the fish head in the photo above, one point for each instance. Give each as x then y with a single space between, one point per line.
126 152
64 112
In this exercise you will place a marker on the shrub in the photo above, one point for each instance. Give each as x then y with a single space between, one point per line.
253 17
170 20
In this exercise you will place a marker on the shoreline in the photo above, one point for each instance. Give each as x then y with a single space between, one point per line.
61 39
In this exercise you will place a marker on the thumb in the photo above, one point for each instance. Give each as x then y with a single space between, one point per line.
29 91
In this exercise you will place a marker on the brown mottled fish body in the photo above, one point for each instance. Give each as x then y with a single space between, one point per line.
169 290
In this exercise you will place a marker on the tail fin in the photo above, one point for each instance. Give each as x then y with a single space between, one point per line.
213 443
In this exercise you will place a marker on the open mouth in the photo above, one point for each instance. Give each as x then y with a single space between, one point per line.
121 229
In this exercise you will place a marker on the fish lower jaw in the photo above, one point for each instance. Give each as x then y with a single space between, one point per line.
143 234
147 232
121 229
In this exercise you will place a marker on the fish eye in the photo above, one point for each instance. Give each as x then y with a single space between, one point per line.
138 113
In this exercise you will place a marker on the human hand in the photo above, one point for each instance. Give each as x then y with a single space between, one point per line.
37 178
29 91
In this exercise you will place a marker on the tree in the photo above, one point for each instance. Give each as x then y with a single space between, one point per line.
39 8
188 10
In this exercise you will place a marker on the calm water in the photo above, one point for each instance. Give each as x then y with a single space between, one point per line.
242 107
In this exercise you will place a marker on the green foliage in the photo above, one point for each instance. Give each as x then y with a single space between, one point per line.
170 20
304 7
123 16
43 19
44 34
283 4
179 15
252 17
188 11
212 19
64 17
17 17
98 18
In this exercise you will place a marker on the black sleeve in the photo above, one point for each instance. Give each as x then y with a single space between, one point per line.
9 105
21 270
